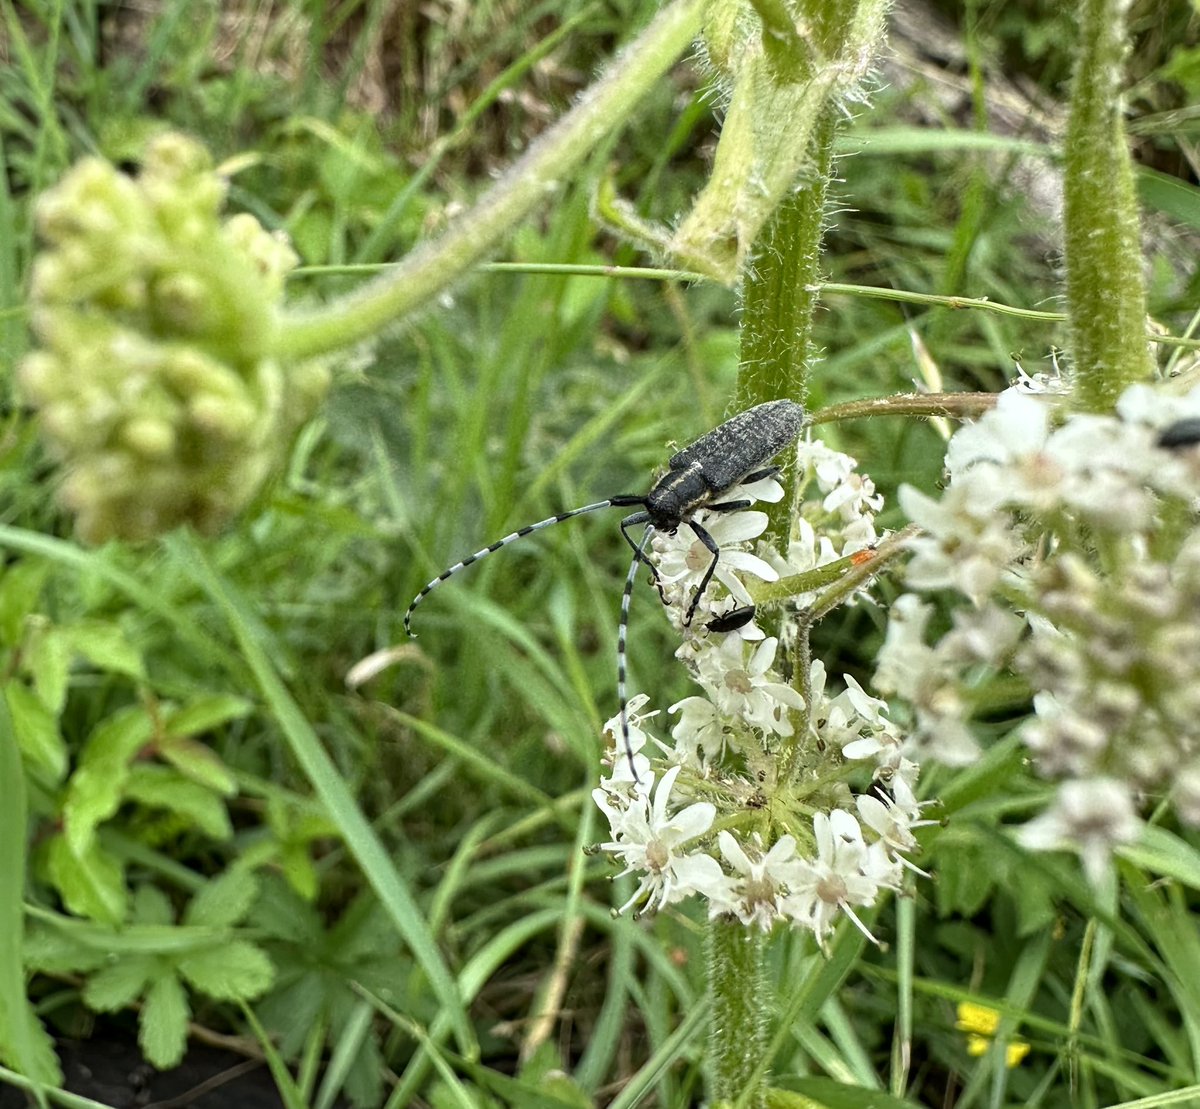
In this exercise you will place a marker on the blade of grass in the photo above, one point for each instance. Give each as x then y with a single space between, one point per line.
354 1031
394 893
672 1049
289 1092
58 1097
17 1021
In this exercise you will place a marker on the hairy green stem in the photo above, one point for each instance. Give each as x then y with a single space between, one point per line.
738 1026
433 266
779 299
959 406
1106 296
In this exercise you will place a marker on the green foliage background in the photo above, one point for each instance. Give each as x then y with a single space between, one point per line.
173 859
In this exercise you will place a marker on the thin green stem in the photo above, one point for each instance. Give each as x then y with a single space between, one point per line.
433 266
959 406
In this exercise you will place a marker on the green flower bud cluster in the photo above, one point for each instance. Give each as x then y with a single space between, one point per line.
154 379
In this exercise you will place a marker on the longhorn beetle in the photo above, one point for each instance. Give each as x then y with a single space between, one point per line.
731 454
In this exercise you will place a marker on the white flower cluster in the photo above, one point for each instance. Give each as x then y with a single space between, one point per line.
750 806
1074 538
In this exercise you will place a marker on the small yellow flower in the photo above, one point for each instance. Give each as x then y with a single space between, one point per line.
980 1024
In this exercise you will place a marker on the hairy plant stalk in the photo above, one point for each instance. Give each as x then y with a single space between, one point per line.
779 299
829 49
436 264
738 1027
1106 296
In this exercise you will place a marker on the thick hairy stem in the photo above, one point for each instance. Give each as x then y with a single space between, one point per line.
433 266
740 1007
1106 296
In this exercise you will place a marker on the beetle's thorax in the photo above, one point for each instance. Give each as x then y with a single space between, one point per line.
677 494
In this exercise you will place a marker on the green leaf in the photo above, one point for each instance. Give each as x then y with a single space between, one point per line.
23 1041
545 1070
206 713
282 915
162 1025
104 645
224 900
1163 853
1176 198
20 594
199 763
98 784
36 730
361 838
161 787
237 971
967 870
151 906
119 984
299 870
46 658
57 951
91 882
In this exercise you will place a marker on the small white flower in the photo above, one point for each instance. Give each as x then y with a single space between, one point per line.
1091 817
844 874
647 838
1185 793
891 822
700 733
919 674
754 894
905 660
765 489
986 634
746 689
1109 464
615 756
1016 428
968 542
683 560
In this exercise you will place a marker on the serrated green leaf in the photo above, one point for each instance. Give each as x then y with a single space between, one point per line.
36 730
104 645
206 713
196 761
237 971
162 1023
40 1060
91 883
118 984
224 900
282 915
20 594
98 784
47 660
162 787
